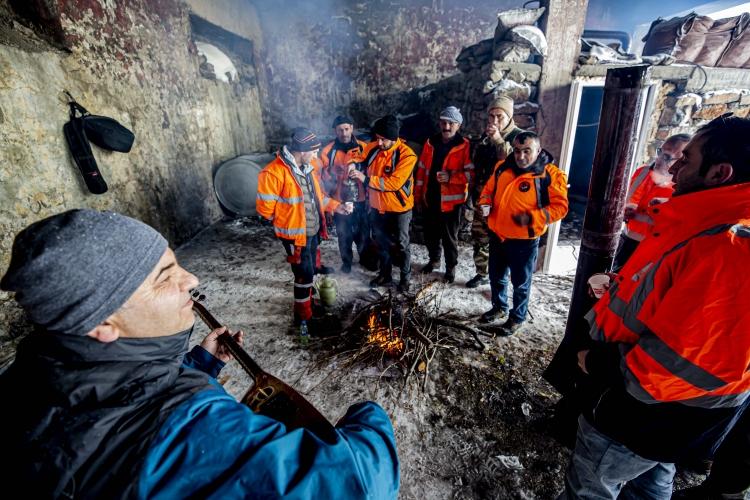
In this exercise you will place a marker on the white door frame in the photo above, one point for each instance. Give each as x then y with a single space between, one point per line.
569 137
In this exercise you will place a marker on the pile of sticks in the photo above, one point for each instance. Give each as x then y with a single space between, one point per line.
402 334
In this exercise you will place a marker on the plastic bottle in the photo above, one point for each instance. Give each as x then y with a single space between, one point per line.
304 336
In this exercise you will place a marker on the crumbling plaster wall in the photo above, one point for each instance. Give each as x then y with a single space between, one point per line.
132 60
323 58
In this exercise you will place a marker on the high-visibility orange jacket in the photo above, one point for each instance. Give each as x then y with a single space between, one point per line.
280 199
541 192
680 306
390 177
459 167
336 170
647 188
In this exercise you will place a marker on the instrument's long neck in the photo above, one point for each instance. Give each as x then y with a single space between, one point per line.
242 357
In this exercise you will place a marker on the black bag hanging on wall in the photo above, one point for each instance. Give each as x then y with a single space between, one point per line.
80 150
105 132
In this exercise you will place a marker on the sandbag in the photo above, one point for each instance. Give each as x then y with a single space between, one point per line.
701 40
509 19
737 54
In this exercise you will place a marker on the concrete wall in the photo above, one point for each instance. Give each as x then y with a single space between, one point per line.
136 62
323 58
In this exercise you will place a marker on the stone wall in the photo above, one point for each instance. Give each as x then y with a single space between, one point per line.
679 111
135 61
365 58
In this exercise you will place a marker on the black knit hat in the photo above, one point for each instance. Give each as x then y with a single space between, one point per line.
303 140
387 127
340 120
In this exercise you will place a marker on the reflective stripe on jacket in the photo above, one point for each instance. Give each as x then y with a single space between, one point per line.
544 197
681 305
459 167
336 169
281 201
643 193
390 177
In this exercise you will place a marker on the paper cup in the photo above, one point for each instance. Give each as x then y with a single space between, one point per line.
599 284
486 210
349 206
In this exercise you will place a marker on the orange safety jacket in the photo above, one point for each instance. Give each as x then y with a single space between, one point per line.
336 170
459 167
390 177
280 199
681 305
645 190
543 196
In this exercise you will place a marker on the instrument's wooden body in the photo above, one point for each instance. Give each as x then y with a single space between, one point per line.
270 396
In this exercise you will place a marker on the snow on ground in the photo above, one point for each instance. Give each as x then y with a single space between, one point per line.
475 431
478 427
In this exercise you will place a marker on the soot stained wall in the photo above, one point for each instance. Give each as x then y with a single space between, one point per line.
135 61
326 57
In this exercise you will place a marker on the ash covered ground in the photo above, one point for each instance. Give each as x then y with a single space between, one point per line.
477 427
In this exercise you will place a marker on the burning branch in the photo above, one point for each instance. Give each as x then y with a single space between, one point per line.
403 333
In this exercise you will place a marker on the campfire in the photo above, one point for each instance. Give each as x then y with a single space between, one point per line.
383 336
402 334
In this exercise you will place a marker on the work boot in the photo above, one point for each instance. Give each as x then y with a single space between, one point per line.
429 267
403 284
450 275
346 268
493 315
510 327
380 280
476 281
324 270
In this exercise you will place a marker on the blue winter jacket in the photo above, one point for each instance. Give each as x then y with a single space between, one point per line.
211 446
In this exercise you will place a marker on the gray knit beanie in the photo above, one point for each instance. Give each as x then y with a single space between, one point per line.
452 114
72 270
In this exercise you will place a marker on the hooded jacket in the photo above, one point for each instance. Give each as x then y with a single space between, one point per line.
281 200
457 164
671 332
541 191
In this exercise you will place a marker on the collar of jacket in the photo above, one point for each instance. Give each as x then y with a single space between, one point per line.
288 159
510 127
346 146
84 349
702 208
535 168
437 139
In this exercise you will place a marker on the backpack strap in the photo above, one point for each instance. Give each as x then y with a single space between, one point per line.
542 185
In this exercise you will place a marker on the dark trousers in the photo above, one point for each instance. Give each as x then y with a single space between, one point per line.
519 258
391 232
730 473
442 227
352 228
625 248
303 276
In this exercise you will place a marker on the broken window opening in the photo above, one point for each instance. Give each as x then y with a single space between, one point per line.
215 64
225 56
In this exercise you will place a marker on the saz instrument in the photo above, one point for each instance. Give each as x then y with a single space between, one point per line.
270 396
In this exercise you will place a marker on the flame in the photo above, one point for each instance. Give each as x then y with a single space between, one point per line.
383 337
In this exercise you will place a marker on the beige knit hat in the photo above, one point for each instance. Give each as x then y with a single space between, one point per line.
503 102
